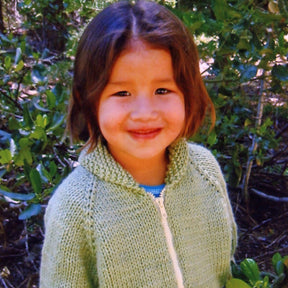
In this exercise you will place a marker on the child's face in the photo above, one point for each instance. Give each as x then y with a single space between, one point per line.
141 110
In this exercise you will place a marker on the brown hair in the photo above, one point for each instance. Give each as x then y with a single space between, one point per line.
107 35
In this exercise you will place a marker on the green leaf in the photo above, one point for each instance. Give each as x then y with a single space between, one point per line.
27 117
36 181
279 267
32 210
5 156
38 107
19 66
44 174
51 99
236 283
247 72
265 282
212 138
7 62
268 18
13 124
38 73
53 168
283 7
280 72
58 119
248 122
17 196
278 263
250 270
38 134
24 153
4 136
275 259
41 121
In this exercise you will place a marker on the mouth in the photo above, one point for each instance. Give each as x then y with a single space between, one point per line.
149 133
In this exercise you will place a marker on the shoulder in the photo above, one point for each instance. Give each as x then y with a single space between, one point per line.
71 195
204 161
201 154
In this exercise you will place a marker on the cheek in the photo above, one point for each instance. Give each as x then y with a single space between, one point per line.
177 113
110 116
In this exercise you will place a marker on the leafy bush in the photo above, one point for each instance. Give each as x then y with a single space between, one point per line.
247 274
35 79
246 46
33 109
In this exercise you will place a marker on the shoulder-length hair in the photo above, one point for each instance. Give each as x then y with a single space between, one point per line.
106 36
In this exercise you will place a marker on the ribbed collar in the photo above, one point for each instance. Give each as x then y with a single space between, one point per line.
101 163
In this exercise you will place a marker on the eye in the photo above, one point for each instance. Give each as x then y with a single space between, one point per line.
162 91
122 93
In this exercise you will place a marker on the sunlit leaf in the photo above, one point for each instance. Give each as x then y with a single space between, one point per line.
251 270
19 66
7 62
236 283
38 134
5 156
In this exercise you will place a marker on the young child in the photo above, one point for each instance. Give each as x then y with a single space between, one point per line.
144 208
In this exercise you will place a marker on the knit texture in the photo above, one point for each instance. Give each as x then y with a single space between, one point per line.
103 230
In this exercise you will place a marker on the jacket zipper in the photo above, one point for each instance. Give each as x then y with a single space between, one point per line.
169 238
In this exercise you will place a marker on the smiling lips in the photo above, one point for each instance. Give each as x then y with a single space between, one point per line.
148 133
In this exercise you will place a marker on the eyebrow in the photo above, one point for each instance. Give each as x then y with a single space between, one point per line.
160 80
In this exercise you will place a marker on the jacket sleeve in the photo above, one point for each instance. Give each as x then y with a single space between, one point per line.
67 260
210 167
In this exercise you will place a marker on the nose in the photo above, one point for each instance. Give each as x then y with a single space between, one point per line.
144 108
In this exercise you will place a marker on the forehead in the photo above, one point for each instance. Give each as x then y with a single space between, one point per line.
141 58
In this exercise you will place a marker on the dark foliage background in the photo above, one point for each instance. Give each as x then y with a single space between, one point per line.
243 47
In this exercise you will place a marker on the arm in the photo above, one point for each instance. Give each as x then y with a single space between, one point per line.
66 257
208 166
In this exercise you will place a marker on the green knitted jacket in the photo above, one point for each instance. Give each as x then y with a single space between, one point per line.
103 230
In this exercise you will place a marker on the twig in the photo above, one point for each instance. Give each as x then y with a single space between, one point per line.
281 131
57 157
4 283
263 255
11 99
26 237
277 240
270 197
22 283
243 236
276 155
254 145
211 81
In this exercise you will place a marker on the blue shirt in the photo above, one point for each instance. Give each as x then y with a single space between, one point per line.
154 190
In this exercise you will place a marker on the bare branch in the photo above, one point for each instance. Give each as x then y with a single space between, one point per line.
270 197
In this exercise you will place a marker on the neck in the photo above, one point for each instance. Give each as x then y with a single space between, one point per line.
148 172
